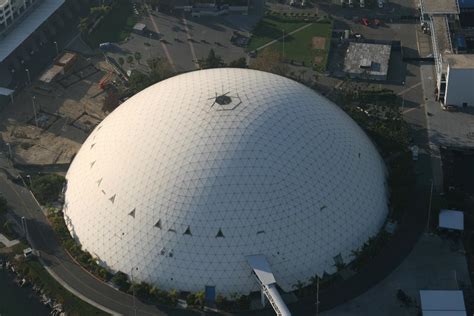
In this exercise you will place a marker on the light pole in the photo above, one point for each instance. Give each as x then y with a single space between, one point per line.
57 49
10 151
133 290
25 227
29 179
317 296
429 208
33 98
283 43
28 74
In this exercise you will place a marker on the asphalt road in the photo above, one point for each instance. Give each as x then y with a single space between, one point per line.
55 258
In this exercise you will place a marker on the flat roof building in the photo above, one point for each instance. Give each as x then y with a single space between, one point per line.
20 25
367 61
459 79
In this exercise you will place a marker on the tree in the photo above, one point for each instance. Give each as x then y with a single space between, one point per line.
130 59
84 25
47 187
270 60
239 63
120 279
138 56
138 81
121 61
211 61
3 204
111 101
160 69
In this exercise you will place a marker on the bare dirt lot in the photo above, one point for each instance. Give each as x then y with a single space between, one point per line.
66 112
319 42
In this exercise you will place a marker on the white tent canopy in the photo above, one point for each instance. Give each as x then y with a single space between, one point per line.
442 303
6 92
451 219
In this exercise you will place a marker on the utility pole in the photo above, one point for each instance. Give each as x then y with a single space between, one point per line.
429 208
317 296
133 291
57 49
28 74
283 43
10 151
33 98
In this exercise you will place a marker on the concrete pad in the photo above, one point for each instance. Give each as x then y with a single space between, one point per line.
7 242
434 264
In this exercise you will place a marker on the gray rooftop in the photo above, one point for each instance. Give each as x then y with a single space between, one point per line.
461 61
365 58
31 22
440 6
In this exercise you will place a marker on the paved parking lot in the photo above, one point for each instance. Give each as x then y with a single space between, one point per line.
431 256
182 40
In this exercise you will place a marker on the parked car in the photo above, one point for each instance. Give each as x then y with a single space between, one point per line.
380 3
365 21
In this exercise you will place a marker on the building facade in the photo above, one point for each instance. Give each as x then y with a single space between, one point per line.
460 80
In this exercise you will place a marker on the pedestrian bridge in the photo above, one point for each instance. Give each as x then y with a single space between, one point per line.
264 275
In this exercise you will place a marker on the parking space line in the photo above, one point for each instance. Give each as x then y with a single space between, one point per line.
281 37
409 88
190 43
163 45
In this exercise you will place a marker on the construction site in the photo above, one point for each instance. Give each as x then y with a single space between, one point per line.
49 120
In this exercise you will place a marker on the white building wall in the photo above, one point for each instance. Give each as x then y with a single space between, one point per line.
459 87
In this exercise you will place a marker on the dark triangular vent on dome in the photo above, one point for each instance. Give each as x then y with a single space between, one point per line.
112 199
99 182
220 234
92 164
92 146
132 213
187 231
158 224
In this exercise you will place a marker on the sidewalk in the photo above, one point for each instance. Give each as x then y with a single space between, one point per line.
7 242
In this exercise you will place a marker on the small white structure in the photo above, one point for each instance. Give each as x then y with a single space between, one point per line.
459 79
451 219
28 252
442 303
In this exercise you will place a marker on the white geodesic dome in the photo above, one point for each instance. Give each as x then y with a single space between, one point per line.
189 176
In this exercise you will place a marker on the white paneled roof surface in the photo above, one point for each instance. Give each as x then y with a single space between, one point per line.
183 186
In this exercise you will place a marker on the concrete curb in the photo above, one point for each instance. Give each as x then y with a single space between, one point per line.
61 281
74 292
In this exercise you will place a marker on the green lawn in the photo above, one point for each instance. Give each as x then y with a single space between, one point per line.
299 46
72 304
270 28
115 26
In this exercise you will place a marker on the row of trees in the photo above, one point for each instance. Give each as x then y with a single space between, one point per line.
47 187
93 15
269 60
142 290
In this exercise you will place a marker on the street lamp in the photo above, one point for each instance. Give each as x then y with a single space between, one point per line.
29 179
429 208
10 151
283 43
133 290
33 98
57 49
28 74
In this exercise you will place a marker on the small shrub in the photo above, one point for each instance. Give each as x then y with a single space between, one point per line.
120 279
